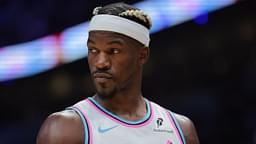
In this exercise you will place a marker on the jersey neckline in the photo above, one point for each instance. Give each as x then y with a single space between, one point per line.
148 116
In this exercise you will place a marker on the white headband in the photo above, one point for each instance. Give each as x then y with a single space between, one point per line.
120 25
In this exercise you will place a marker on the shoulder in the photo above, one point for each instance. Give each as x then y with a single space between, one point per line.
188 129
187 126
61 127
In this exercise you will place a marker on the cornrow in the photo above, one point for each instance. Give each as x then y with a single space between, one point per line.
138 14
125 11
96 10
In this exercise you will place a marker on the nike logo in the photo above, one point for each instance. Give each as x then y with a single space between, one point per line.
103 130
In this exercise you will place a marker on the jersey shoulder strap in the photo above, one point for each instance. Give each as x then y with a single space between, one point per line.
79 109
173 120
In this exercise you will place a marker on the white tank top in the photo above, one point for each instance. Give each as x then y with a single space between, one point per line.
158 126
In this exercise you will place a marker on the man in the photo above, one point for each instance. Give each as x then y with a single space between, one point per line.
118 46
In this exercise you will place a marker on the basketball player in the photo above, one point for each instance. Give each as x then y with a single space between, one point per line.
118 46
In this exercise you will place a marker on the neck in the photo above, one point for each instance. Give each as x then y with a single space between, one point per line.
129 108
127 103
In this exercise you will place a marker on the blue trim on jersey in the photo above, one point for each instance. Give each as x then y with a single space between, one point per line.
144 119
178 126
85 124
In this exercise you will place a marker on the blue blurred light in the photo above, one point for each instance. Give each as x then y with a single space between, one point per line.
30 58
202 19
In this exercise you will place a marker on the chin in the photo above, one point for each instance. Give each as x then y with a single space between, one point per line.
104 93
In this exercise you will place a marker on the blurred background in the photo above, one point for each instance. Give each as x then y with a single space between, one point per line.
202 64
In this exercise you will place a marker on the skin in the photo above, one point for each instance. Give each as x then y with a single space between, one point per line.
116 65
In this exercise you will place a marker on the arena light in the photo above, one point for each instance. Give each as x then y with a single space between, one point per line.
30 58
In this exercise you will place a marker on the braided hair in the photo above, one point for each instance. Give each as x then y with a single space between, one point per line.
125 11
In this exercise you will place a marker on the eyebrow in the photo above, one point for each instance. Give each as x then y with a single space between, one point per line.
90 41
119 42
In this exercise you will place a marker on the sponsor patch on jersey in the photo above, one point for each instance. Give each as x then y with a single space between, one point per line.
160 128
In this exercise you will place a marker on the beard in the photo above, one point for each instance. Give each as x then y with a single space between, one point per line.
110 88
105 91
106 86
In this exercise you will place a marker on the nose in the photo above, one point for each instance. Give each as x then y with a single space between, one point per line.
102 61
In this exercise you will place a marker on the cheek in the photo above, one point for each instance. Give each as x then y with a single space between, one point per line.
125 67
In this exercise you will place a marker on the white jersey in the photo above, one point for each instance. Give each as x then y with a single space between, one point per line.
158 126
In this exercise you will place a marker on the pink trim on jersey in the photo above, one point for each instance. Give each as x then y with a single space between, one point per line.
124 124
175 128
88 123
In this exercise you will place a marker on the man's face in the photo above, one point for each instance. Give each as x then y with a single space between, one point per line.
114 62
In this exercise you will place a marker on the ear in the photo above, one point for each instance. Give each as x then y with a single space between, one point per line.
144 55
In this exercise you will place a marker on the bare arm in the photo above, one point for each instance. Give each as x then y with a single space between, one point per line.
188 129
61 128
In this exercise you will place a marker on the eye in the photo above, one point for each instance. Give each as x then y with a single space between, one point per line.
115 51
93 50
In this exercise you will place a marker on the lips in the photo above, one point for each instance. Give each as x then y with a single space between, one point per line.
102 77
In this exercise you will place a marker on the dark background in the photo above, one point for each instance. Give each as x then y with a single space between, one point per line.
206 72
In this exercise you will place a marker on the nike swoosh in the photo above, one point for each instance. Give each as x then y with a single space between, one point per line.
103 130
